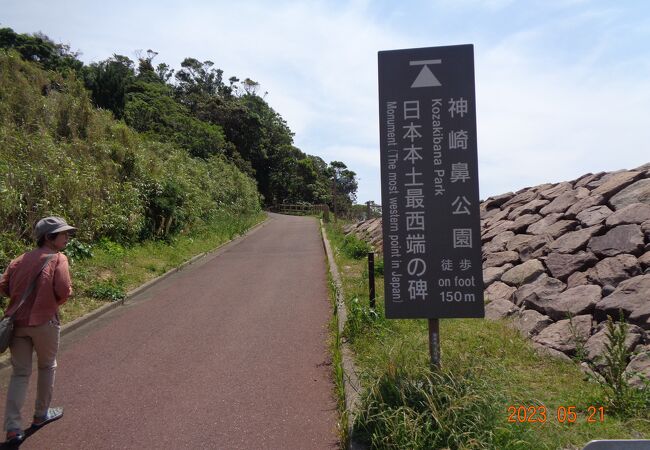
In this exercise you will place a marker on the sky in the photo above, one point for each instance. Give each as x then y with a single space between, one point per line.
562 86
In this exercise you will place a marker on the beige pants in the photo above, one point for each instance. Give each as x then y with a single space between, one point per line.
45 340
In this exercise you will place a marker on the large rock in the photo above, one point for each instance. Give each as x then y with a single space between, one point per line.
555 190
499 291
527 244
635 213
501 258
499 216
584 204
543 350
594 215
541 225
638 192
616 182
498 243
564 201
485 215
644 260
573 302
492 274
562 265
530 322
616 269
497 201
523 273
573 241
621 239
523 222
495 230
639 369
641 316
520 198
565 335
529 208
537 294
645 228
629 296
499 309
580 278
562 227
555 230
597 344
587 179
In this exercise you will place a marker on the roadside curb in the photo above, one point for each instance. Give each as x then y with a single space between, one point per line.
350 379
96 313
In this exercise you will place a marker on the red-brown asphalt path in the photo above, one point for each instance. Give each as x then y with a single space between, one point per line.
229 353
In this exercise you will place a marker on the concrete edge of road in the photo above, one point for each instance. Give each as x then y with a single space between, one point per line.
350 378
96 313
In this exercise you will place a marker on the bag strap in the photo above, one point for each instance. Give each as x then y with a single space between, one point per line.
33 285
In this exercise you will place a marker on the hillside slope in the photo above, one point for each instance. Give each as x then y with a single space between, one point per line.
61 156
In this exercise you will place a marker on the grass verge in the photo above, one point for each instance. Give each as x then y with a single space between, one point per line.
494 390
338 372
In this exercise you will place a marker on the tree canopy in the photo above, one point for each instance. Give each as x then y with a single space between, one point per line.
197 110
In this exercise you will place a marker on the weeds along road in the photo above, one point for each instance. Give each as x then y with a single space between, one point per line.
229 353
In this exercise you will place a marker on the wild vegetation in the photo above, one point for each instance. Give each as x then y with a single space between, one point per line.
493 390
59 155
152 166
198 111
142 206
129 151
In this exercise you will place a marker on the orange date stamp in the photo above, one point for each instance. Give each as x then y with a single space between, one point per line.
562 414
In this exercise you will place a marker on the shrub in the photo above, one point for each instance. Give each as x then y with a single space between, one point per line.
360 318
443 409
619 396
354 247
379 267
107 290
60 156
76 250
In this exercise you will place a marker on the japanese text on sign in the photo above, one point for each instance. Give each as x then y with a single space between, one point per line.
432 251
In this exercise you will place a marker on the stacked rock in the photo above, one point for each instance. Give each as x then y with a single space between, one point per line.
369 231
560 258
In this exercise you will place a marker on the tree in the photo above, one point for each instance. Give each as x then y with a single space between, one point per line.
151 108
109 81
41 49
198 81
250 87
344 187
195 109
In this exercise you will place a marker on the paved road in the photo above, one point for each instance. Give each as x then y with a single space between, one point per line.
229 353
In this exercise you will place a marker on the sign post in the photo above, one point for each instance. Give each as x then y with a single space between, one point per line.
430 199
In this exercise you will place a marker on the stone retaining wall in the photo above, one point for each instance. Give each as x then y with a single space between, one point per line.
578 249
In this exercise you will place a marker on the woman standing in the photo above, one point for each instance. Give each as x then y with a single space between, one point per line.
45 270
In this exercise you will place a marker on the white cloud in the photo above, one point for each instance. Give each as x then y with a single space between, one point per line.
352 155
562 85
543 124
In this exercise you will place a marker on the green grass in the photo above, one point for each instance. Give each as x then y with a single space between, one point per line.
337 363
114 270
486 368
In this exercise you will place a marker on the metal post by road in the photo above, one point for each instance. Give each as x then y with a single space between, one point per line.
371 278
434 343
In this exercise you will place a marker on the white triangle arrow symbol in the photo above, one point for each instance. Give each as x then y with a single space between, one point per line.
426 78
